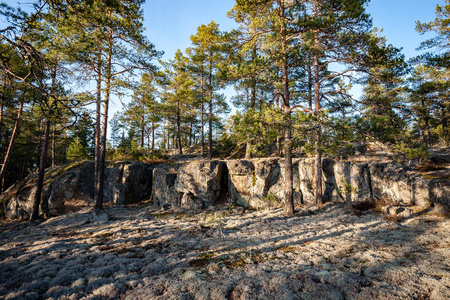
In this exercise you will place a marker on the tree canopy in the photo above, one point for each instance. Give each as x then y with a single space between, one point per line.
294 66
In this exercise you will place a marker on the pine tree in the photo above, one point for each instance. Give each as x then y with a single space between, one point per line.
438 57
207 55
179 95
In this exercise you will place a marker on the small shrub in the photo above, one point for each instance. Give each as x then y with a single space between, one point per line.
428 165
404 152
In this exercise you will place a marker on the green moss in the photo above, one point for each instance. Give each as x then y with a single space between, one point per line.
162 215
254 178
433 177
288 249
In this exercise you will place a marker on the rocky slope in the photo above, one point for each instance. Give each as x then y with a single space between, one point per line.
199 184
71 187
332 252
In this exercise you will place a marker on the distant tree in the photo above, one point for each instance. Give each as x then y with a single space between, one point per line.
178 95
383 99
207 57
440 43
437 57
429 94
77 151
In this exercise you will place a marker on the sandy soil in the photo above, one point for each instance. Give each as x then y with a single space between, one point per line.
332 252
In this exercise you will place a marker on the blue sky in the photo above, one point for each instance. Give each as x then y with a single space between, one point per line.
170 23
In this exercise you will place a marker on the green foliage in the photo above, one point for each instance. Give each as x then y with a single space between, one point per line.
77 151
258 127
406 152
430 106
270 199
136 154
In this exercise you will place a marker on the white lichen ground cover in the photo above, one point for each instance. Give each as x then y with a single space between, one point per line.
138 253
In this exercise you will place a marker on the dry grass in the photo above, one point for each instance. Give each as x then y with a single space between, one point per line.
428 165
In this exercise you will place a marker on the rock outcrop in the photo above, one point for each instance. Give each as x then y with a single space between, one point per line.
163 190
71 187
201 184
254 182
128 182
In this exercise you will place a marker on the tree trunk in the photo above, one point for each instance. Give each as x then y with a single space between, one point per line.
153 135
202 122
142 134
41 174
11 145
101 165
180 145
253 97
1 121
248 150
288 177
191 132
97 130
210 112
38 143
54 146
318 163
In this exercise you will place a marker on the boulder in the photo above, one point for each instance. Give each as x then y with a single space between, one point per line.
268 184
241 178
277 185
163 190
202 182
420 190
342 172
66 189
392 181
128 182
306 180
71 187
260 182
440 193
198 184
307 172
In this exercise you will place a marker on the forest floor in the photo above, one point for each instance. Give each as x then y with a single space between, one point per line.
329 252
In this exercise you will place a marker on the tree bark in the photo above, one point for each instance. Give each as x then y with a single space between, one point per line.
180 145
288 177
202 121
54 146
1 120
101 165
142 133
7 157
318 163
97 129
210 113
248 150
41 174
153 135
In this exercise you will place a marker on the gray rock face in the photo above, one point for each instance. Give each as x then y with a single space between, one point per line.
163 191
307 185
400 184
392 181
201 183
257 183
128 182
68 188
440 193
242 178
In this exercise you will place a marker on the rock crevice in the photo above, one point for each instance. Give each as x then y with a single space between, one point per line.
203 184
